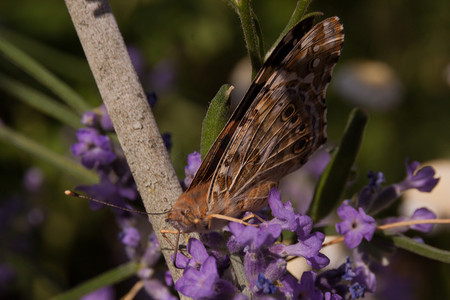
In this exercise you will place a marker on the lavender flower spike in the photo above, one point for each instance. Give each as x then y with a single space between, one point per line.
356 225
93 148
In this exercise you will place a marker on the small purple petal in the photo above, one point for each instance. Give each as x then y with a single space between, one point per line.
157 290
194 161
199 283
89 119
197 250
130 236
356 225
106 293
423 214
422 179
105 120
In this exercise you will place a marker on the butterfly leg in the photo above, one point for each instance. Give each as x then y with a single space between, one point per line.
175 247
252 215
231 219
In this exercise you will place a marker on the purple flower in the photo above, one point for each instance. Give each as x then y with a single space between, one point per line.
131 238
253 238
93 148
370 191
198 252
152 253
357 290
265 285
106 191
331 296
365 278
193 163
308 245
89 119
33 180
168 278
105 120
423 214
205 282
356 225
106 293
157 290
421 179
419 214
317 163
307 287
290 287
284 213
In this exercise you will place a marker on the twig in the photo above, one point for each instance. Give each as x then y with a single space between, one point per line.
129 110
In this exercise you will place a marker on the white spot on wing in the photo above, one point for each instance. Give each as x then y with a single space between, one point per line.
316 62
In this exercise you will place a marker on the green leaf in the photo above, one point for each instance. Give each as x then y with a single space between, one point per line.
9 136
419 248
215 119
59 62
42 75
297 15
110 277
40 101
333 181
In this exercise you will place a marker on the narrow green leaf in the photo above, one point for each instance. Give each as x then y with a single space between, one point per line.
333 181
9 136
62 63
297 15
40 101
110 277
215 119
42 75
419 248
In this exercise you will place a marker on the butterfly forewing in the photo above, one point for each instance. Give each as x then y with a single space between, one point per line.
285 123
212 158
279 123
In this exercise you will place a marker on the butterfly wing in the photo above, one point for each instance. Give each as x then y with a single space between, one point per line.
282 126
211 161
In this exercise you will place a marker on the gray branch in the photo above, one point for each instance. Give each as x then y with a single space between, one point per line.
129 110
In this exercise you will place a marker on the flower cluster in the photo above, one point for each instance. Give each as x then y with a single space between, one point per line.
264 256
117 187
264 247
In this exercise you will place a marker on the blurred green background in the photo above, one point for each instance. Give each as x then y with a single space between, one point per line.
396 54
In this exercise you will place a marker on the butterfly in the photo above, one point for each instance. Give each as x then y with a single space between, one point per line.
275 128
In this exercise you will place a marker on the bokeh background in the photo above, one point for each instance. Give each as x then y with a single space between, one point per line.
395 64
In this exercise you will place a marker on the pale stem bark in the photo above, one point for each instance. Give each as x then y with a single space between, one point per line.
129 110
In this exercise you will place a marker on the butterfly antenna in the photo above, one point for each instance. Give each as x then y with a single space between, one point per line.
74 194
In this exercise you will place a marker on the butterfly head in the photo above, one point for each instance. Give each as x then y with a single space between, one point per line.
188 213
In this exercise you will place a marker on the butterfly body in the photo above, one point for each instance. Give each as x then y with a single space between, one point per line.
276 127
